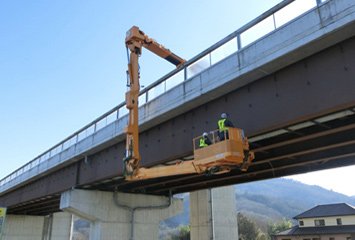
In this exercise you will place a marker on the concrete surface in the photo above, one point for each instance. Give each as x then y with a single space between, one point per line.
20 227
109 221
55 227
213 214
62 226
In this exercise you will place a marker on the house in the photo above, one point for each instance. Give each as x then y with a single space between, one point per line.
323 222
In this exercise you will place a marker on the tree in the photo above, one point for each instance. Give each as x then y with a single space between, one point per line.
247 229
262 236
278 226
184 233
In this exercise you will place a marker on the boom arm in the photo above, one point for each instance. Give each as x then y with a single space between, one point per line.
220 157
135 40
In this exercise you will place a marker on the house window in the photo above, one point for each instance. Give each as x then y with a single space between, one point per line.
319 222
348 238
315 238
331 238
339 221
301 223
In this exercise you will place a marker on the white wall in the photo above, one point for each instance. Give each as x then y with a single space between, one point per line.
329 221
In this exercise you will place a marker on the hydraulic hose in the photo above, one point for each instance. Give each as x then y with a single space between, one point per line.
126 159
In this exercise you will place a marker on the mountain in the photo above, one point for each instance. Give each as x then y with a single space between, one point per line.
292 190
277 198
272 199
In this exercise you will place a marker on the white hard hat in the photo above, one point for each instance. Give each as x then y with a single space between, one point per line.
204 134
223 115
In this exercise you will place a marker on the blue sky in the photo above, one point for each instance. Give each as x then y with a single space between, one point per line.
63 63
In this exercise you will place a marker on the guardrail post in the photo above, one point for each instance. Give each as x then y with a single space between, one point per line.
239 41
273 18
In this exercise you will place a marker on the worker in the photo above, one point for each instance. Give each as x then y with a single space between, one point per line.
223 125
205 141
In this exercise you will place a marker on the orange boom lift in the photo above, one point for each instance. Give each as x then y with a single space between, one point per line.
220 157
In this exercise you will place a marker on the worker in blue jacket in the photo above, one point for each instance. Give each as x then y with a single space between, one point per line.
223 125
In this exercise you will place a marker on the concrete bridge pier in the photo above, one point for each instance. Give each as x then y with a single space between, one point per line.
23 227
121 215
57 226
213 214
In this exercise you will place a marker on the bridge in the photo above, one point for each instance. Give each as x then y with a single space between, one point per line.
287 79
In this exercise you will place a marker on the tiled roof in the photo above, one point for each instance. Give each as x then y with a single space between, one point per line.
339 209
294 231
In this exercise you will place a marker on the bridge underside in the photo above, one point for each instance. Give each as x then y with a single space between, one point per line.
299 119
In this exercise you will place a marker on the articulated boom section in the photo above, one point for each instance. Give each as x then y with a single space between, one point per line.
135 40
218 157
131 162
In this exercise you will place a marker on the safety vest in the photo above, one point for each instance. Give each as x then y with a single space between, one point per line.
202 142
221 125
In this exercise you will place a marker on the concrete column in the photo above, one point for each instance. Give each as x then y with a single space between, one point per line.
26 227
213 214
23 227
139 220
58 226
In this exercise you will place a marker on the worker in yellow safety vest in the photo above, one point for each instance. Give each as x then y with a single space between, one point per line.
223 125
205 141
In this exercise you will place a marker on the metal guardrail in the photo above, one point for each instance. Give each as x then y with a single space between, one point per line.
261 26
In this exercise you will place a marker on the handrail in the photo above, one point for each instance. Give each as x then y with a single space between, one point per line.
94 124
